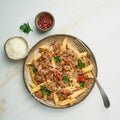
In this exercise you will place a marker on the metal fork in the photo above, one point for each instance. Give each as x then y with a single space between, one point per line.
82 47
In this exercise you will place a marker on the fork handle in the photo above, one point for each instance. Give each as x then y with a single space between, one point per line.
103 94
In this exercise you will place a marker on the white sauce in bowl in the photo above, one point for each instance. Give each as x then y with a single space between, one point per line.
16 48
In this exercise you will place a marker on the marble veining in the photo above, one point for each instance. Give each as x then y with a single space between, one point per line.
11 75
2 106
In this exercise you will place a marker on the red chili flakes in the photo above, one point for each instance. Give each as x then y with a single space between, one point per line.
45 21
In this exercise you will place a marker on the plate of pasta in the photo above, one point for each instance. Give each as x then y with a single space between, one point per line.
57 73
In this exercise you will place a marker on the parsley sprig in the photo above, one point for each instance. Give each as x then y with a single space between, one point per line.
80 64
34 69
65 79
57 59
25 28
45 90
82 84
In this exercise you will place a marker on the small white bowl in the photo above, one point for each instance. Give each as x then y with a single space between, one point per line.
16 48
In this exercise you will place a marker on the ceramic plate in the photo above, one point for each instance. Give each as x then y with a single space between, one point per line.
47 41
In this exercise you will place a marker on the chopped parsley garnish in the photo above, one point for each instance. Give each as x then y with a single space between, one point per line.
57 59
34 69
25 28
65 79
82 84
80 64
45 90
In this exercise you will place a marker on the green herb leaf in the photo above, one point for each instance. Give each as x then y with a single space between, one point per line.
65 79
25 28
57 59
80 64
34 69
44 90
82 84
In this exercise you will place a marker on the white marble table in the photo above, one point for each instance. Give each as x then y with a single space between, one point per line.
96 22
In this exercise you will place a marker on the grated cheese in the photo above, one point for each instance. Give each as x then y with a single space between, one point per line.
16 48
